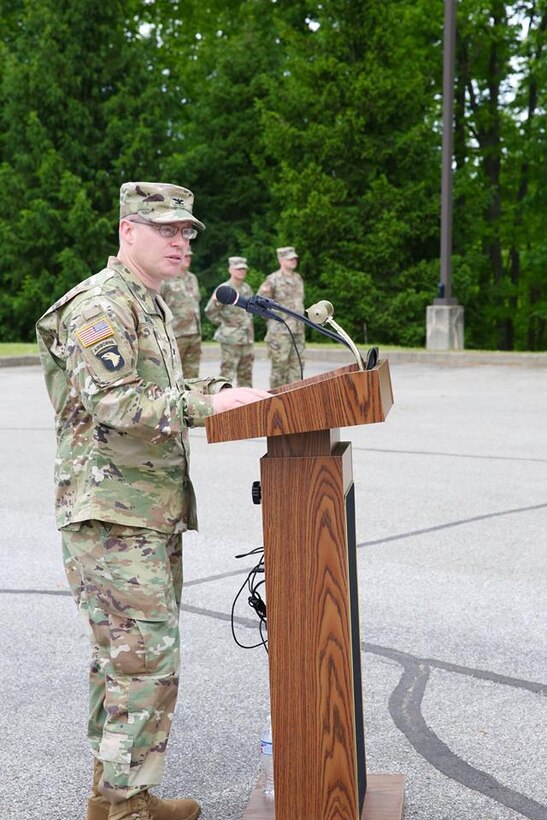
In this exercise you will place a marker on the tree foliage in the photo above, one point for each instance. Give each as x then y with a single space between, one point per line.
78 115
315 124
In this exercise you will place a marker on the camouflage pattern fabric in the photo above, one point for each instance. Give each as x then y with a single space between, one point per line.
122 407
234 325
285 367
158 202
237 361
235 332
189 348
127 584
288 290
124 495
183 297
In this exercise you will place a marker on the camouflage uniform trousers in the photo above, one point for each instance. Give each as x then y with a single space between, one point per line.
190 354
127 583
237 359
285 367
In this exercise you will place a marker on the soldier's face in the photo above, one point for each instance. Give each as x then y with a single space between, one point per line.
238 274
288 265
152 256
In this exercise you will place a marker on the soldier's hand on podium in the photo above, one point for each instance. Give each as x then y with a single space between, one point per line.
236 396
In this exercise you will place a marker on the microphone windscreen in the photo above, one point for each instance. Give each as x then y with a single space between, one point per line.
226 295
320 312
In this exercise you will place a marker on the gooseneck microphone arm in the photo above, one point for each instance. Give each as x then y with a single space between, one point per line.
262 306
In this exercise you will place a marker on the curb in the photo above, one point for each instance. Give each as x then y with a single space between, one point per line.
451 358
18 361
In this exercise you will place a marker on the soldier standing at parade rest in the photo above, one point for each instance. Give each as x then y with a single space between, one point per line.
124 495
182 296
286 287
235 330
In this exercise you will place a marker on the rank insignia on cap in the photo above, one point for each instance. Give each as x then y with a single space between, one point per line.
94 332
110 356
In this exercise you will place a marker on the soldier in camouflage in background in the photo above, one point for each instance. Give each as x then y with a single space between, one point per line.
183 297
286 287
124 495
235 330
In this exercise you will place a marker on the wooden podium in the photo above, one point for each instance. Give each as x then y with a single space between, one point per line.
308 504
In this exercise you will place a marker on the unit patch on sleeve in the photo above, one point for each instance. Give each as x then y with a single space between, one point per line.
95 332
108 353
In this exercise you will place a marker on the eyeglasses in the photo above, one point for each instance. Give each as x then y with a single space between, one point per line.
168 231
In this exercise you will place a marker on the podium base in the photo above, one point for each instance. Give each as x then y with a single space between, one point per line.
384 800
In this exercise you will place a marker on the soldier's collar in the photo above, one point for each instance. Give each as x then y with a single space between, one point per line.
139 290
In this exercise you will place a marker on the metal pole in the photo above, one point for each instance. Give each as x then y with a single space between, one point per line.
445 285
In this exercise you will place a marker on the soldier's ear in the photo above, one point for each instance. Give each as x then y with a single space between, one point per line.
127 231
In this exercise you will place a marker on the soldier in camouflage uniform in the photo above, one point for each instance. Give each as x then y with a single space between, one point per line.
183 297
235 330
124 495
286 287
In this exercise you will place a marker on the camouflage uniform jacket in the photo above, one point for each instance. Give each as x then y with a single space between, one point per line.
288 290
235 326
182 295
122 408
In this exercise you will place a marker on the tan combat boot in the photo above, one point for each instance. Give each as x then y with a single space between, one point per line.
136 808
177 809
98 807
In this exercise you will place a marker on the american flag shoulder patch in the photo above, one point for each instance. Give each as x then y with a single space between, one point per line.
95 331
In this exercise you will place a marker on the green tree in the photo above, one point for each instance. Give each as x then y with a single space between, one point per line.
352 158
220 56
79 114
295 122
500 153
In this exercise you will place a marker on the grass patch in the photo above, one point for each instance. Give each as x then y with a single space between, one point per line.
18 349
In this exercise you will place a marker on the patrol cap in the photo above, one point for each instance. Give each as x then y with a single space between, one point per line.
237 262
287 253
158 202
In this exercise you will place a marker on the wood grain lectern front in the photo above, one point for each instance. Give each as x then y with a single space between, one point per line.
308 515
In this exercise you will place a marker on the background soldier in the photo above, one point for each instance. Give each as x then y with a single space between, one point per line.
286 287
123 491
183 297
235 330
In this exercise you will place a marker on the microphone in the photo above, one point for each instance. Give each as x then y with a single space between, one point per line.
258 305
322 313
262 306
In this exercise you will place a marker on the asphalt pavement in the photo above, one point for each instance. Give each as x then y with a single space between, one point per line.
451 498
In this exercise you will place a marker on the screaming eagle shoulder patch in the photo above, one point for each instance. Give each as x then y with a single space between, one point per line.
109 354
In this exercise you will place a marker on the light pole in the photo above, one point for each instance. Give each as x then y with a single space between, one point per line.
445 317
445 285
